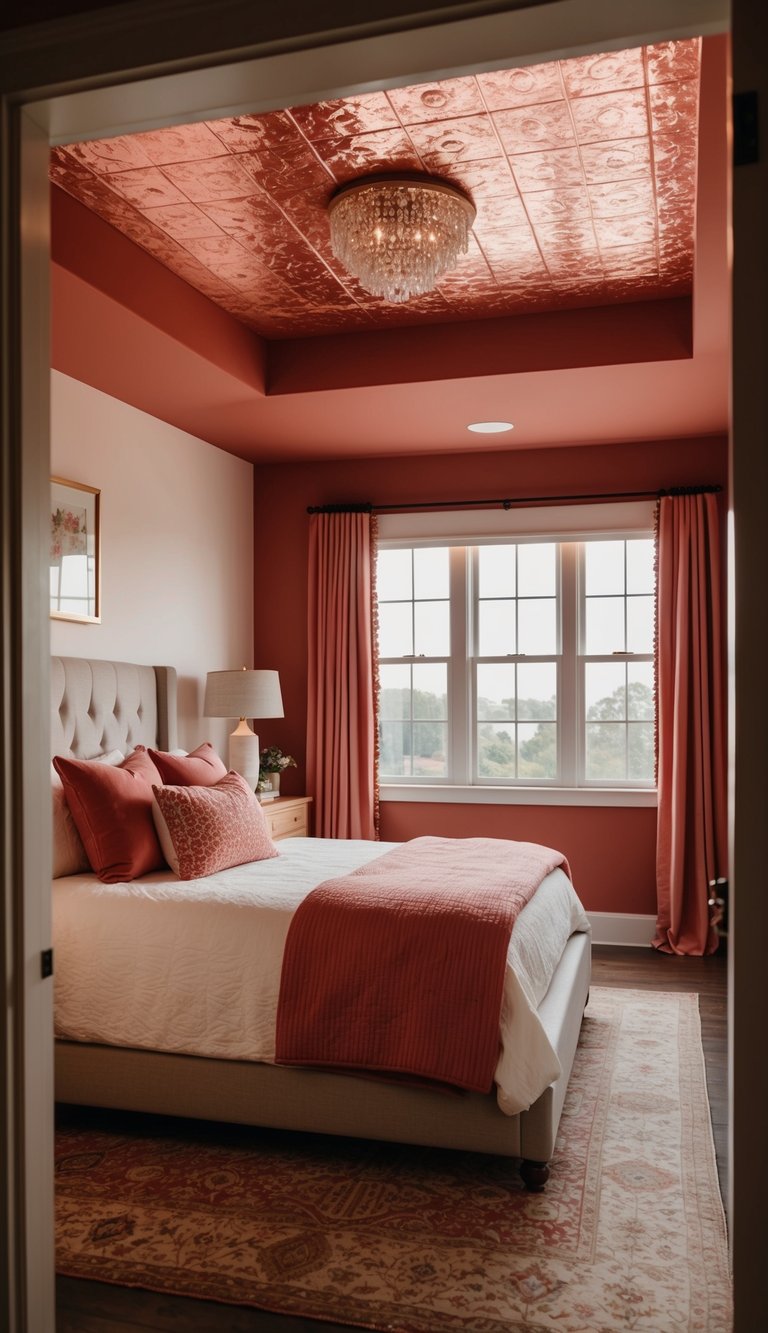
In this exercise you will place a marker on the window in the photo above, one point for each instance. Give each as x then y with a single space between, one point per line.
517 663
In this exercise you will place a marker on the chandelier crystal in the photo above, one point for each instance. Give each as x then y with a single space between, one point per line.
398 234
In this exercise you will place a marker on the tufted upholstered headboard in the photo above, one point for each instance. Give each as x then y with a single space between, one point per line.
98 706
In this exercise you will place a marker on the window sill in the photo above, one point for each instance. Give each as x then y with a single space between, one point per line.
445 795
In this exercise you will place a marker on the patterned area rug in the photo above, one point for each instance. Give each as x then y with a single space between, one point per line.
629 1234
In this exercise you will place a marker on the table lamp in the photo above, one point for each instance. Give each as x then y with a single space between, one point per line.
243 694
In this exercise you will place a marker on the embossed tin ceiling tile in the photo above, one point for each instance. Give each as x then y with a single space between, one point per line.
610 71
548 206
674 251
507 88
345 117
626 256
468 139
312 225
508 243
565 235
315 285
624 231
579 264
621 198
215 251
669 62
483 179
183 143
493 213
107 155
135 226
247 275
471 273
276 251
145 187
521 276
205 182
429 102
319 322
617 161
675 155
245 134
284 177
535 129
676 221
251 214
93 193
674 105
468 292
366 154
556 169
307 275
257 210
610 116
279 236
630 267
182 221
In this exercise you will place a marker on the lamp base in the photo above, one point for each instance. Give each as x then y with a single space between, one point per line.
244 753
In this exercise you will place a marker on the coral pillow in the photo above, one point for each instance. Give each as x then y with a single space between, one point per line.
69 856
204 829
200 768
112 808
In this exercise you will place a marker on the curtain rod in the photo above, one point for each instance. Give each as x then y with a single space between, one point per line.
368 508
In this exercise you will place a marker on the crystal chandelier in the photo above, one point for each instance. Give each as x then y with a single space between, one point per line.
398 234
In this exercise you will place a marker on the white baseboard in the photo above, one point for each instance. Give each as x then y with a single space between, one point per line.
629 928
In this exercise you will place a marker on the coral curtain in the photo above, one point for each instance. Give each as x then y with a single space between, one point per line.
691 845
342 674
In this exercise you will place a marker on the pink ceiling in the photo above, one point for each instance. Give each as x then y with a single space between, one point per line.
583 174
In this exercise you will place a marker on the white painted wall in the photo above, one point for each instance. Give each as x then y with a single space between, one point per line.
176 546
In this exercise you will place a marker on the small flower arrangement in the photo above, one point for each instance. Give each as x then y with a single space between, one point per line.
272 760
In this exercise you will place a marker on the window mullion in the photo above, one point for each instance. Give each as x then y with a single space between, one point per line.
460 673
570 683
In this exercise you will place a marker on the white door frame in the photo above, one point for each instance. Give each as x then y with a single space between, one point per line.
89 76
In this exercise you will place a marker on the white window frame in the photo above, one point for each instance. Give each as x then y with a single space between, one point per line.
583 658
568 526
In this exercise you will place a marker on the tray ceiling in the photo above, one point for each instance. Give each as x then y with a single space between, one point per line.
583 174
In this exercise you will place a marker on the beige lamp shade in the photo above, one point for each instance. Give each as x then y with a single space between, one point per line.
243 694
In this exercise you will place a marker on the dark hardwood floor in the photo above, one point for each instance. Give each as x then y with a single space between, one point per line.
93 1307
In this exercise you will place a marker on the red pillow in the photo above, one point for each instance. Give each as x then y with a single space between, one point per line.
205 829
200 768
112 809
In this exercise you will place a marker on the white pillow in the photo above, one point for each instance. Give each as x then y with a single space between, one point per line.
69 857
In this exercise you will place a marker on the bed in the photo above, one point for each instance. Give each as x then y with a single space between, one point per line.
98 707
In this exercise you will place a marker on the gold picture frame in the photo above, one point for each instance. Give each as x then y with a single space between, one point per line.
75 552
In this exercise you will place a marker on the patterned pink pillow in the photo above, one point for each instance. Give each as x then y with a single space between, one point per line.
205 829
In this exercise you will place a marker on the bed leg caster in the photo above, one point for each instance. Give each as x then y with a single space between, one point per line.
535 1175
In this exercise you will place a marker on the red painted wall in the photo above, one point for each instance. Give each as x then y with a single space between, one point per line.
611 850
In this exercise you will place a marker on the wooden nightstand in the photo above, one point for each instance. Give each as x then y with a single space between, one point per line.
288 816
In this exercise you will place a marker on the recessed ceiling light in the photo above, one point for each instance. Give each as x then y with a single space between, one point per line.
490 427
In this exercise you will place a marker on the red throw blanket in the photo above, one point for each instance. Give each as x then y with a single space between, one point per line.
399 966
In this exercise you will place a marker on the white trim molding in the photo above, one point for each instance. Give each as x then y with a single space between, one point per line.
420 794
632 929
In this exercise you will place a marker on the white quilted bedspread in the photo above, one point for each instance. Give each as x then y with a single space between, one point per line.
194 966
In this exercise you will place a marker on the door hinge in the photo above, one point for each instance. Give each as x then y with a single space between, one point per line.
46 963
746 129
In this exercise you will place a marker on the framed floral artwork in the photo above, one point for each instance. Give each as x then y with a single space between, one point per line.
74 551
